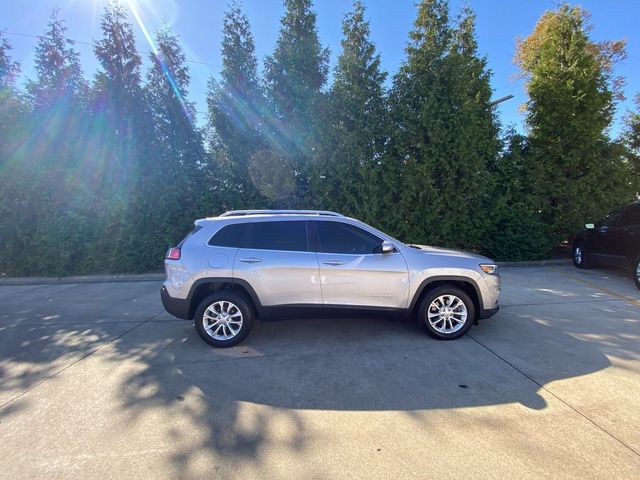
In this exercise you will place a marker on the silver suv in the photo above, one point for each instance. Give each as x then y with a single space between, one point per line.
275 263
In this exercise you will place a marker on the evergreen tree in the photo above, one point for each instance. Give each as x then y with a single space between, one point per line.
14 174
9 69
236 106
57 65
295 74
123 151
117 100
631 139
57 202
444 134
180 194
355 124
577 172
515 231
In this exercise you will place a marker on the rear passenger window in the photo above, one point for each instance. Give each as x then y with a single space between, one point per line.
289 236
234 236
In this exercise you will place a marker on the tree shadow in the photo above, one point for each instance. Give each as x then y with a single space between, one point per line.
240 403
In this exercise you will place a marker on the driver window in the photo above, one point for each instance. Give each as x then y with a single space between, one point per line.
335 237
609 220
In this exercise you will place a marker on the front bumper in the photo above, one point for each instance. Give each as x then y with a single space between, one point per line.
177 307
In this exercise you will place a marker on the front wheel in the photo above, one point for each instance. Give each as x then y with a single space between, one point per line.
636 271
224 319
446 312
580 259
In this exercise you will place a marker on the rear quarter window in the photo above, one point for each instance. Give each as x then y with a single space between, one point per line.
232 236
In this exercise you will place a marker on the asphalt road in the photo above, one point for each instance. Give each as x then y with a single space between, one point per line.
97 382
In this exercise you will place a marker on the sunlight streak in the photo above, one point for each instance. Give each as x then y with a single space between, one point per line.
132 4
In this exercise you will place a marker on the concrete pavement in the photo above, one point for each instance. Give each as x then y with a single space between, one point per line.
96 381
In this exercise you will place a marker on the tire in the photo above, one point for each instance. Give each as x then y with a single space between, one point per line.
445 295
636 271
580 258
213 308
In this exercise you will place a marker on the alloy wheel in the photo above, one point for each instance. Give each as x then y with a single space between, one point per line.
222 320
447 314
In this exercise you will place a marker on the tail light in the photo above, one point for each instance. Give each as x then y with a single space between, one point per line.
173 253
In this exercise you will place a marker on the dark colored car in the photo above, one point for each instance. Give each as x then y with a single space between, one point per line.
614 240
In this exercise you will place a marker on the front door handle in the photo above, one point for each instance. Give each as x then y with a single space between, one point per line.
334 263
250 260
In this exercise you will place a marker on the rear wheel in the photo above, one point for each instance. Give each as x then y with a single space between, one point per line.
580 259
446 312
224 319
636 271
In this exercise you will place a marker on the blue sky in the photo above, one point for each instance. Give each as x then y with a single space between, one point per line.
199 25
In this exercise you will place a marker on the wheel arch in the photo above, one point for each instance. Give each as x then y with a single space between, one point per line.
204 287
467 285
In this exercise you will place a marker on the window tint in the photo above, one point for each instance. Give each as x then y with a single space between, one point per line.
234 236
610 219
290 236
335 237
631 216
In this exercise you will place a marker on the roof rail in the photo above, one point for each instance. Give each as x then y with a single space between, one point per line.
240 213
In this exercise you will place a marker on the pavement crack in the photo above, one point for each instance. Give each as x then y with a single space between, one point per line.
88 354
568 405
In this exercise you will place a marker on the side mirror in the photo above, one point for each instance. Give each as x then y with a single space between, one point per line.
589 226
386 247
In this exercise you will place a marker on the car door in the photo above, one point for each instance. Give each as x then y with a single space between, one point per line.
353 273
278 265
627 233
602 241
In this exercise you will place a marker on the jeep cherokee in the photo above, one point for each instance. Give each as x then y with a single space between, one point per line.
273 263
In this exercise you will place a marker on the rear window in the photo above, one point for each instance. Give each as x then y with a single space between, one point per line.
233 236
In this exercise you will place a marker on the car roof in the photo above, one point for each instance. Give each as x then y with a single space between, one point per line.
249 215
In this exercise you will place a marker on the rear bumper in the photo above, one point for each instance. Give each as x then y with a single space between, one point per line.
489 312
177 307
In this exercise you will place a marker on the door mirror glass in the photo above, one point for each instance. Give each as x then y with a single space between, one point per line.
589 226
386 247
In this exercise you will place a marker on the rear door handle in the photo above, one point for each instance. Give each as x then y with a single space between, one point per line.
250 260
334 263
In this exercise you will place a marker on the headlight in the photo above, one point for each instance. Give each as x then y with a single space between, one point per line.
489 268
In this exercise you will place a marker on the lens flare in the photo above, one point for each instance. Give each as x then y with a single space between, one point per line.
159 56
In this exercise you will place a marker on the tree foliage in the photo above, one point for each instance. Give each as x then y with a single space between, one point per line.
631 140
175 185
295 75
444 133
578 172
236 110
355 126
104 175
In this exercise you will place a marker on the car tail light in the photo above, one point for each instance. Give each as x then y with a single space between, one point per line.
173 253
